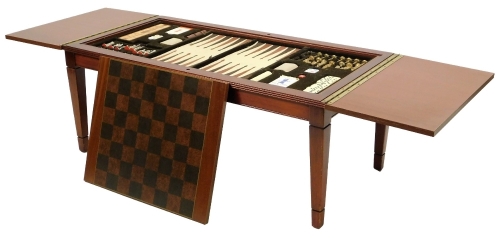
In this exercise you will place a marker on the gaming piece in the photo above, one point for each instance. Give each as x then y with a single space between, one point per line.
287 67
199 33
311 70
323 62
356 66
118 46
284 81
107 45
348 66
261 76
302 76
155 37
171 41
145 52
133 48
330 64
321 84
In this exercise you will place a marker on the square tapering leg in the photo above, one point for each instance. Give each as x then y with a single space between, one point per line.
76 77
381 132
319 139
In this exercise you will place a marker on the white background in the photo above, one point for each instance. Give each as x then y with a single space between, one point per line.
443 186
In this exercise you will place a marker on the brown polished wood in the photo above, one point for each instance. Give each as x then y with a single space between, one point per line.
50 35
208 155
86 62
319 142
319 145
206 178
90 166
414 94
76 78
269 104
381 132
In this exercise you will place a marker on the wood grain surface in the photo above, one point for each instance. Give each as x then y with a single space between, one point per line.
414 94
58 33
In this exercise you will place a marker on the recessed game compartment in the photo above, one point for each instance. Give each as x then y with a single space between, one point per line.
204 50
152 40
292 66
309 70
248 60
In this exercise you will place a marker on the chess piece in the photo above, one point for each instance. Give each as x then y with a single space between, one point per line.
108 45
348 66
323 62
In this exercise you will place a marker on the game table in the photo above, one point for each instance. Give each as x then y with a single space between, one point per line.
390 89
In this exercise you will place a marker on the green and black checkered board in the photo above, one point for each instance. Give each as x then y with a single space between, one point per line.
152 135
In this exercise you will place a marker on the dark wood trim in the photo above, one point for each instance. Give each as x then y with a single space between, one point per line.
33 42
208 166
76 79
70 59
90 166
319 143
269 104
87 62
319 117
381 132
319 148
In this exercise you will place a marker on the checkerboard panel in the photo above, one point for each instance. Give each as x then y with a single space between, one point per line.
152 135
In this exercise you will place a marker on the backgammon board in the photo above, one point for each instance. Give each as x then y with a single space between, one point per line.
246 92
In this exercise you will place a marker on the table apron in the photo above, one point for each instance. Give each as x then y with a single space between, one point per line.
236 96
